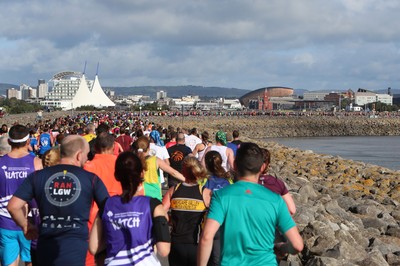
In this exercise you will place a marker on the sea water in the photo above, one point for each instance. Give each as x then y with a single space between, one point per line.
379 150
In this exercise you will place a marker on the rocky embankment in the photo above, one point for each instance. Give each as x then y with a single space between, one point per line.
347 212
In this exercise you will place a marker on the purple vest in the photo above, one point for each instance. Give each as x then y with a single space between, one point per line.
129 221
12 173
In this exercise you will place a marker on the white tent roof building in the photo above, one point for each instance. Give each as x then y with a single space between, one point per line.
71 90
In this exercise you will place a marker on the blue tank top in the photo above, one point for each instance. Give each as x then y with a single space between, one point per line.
13 172
215 183
133 221
44 143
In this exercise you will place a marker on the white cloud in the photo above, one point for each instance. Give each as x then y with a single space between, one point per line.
243 44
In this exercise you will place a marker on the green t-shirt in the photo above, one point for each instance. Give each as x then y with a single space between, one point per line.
249 215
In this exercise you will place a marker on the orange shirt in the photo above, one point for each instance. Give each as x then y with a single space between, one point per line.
103 165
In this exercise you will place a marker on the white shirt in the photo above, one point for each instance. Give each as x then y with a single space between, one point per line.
159 152
191 141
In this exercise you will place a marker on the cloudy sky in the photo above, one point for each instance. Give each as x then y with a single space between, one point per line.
246 44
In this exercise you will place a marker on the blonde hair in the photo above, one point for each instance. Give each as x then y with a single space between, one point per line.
51 157
193 170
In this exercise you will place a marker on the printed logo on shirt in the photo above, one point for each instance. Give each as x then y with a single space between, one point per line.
177 156
15 172
184 204
124 219
62 189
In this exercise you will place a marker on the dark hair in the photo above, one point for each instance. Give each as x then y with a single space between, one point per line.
173 134
235 134
205 136
128 171
60 137
103 127
266 158
213 161
139 133
104 141
142 143
18 132
249 159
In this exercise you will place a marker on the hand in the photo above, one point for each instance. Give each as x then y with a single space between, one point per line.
31 232
279 250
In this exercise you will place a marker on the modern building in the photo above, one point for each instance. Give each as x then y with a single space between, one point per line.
264 98
384 98
161 95
42 89
71 90
27 92
229 104
314 95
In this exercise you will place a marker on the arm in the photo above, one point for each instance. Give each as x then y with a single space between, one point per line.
230 156
206 241
96 239
120 149
163 248
207 197
166 201
18 211
290 203
167 161
37 162
203 160
293 246
166 168
196 149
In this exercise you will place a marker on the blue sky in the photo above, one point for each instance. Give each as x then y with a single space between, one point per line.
248 44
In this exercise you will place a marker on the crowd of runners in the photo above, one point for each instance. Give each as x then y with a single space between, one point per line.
119 189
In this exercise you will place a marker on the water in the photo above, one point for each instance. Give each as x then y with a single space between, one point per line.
378 150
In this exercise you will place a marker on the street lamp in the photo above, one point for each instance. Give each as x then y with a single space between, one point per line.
140 112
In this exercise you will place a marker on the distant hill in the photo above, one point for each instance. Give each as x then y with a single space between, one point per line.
179 91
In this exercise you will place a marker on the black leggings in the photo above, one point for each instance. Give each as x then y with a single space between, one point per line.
182 254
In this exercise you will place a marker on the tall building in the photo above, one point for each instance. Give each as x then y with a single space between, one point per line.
161 95
13 93
27 92
42 88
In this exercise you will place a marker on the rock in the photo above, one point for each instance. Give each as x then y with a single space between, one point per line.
368 209
305 214
345 251
353 238
385 244
307 192
375 258
346 202
335 210
393 259
396 214
326 261
393 231
375 223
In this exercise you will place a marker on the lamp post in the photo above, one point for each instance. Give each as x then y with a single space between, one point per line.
182 117
140 112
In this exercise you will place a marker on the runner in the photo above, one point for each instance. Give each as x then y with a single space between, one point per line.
147 223
64 194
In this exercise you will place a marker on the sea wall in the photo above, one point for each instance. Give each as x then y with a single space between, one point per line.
347 212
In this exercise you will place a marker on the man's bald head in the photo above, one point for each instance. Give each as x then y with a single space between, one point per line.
73 144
